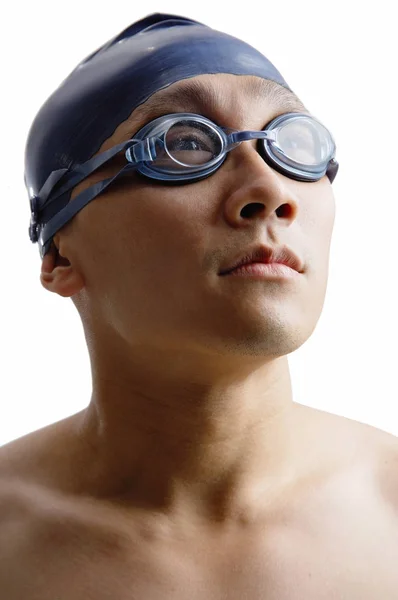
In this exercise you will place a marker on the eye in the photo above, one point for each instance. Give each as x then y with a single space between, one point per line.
187 142
192 143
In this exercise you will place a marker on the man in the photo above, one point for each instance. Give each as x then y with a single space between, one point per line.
192 473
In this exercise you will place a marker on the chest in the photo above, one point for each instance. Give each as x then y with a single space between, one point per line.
336 548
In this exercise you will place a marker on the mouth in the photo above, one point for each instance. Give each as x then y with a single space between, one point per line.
262 255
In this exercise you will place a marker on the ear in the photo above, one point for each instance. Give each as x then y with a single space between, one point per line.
58 275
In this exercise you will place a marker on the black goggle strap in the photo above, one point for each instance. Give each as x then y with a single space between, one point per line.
81 200
70 180
79 173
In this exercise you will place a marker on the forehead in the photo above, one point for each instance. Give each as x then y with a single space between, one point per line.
238 101
218 96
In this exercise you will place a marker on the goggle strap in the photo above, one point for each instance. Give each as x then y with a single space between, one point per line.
71 209
80 173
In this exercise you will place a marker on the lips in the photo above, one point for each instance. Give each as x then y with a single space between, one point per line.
267 255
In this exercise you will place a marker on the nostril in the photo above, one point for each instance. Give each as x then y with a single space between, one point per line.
252 209
284 211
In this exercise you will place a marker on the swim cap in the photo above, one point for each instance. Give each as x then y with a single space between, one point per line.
104 89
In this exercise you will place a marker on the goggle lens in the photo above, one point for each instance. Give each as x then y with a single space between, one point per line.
189 143
304 141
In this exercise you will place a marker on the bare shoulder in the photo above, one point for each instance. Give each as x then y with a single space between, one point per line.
26 466
387 471
347 428
370 445
38 456
18 472
28 470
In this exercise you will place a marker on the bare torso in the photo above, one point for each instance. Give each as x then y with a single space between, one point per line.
334 537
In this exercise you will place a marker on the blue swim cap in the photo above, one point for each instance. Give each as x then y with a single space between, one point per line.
104 89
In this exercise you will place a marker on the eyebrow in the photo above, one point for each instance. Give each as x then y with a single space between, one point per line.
194 96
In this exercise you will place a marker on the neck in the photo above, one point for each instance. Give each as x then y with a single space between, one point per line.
213 445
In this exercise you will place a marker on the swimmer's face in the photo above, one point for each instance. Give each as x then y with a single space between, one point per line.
146 256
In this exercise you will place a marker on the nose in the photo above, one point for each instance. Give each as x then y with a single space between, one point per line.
256 190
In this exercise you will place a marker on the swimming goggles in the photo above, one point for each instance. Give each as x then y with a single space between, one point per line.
185 148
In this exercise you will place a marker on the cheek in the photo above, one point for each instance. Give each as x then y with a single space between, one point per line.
143 232
316 216
315 223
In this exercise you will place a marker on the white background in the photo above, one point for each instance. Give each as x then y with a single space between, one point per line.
340 59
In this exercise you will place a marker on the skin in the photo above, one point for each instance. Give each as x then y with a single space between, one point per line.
191 413
192 473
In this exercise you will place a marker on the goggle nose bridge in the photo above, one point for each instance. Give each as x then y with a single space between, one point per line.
236 137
